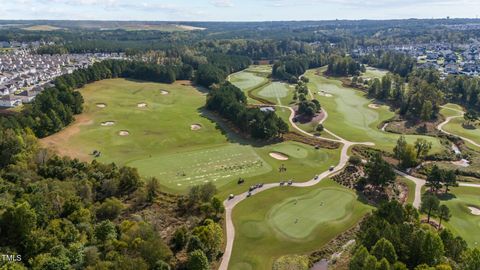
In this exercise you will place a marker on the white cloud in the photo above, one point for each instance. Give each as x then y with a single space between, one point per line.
222 3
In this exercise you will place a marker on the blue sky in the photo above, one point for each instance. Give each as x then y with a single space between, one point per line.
236 10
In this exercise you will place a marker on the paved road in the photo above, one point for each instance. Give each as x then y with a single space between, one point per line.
448 119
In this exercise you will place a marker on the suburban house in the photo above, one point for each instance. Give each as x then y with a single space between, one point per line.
10 101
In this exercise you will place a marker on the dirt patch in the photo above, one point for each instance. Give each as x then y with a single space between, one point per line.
474 211
101 105
142 105
278 156
107 123
59 142
373 106
124 133
195 127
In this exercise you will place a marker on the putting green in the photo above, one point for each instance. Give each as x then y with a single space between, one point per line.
350 117
247 80
265 228
162 144
463 222
297 217
275 90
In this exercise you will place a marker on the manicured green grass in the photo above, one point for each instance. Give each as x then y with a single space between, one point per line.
277 92
455 126
350 117
161 143
247 80
374 73
297 217
463 222
266 229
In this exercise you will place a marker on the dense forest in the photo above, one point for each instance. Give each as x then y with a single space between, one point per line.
231 103
60 213
291 68
393 238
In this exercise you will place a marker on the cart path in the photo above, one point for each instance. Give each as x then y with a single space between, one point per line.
230 204
448 119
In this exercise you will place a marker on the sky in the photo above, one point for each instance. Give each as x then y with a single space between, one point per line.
236 10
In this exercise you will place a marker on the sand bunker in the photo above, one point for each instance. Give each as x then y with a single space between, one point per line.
107 123
101 105
278 156
325 94
474 211
462 163
163 92
373 106
195 127
142 105
123 133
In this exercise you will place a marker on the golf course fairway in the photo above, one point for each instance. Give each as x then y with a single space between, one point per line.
463 222
266 228
456 124
164 132
350 117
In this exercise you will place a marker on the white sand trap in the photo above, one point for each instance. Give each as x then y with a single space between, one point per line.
278 156
107 123
123 133
101 105
195 127
373 106
163 92
142 105
323 93
461 163
474 211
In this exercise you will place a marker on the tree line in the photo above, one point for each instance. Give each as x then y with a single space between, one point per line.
393 238
60 213
292 67
231 103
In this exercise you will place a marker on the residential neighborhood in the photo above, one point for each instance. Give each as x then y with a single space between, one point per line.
446 57
24 74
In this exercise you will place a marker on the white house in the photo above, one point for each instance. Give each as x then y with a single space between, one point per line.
10 101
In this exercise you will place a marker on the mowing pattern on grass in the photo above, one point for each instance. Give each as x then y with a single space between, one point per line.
247 80
266 222
351 118
463 222
200 166
297 217
162 144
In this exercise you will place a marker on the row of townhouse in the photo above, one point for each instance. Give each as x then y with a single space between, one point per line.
24 74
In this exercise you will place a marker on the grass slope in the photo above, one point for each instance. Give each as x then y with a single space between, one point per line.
350 117
455 126
162 144
266 228
462 221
